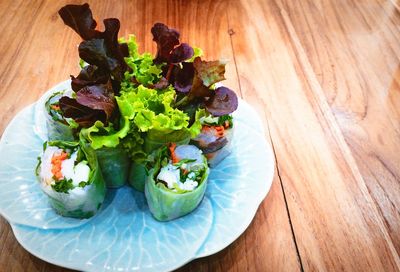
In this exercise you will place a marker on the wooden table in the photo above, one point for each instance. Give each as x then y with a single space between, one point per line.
323 75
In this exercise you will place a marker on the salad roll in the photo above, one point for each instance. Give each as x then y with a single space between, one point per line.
215 138
69 174
59 127
177 181
113 159
152 141
114 163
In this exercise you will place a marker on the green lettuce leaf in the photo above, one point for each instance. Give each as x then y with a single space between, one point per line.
101 136
144 71
152 109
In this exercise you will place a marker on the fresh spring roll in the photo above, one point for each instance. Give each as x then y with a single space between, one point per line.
114 162
70 176
153 140
58 127
177 182
113 159
215 138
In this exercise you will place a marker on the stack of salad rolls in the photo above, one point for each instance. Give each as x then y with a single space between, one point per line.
156 123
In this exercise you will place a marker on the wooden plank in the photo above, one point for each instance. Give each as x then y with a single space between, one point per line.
51 56
336 223
265 246
360 81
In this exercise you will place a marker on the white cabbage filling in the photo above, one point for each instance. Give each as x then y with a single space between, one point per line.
170 174
77 173
209 120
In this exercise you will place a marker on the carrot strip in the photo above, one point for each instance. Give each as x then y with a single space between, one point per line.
174 158
56 162
55 107
220 131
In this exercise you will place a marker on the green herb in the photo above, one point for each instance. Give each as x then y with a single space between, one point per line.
181 162
144 71
224 118
63 185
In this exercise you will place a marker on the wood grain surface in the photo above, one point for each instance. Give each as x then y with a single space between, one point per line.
323 75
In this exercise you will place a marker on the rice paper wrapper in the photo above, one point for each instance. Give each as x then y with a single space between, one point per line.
114 164
137 176
57 129
215 157
167 205
155 139
79 202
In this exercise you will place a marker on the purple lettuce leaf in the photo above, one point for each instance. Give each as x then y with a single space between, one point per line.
161 84
209 72
166 40
81 114
80 19
183 77
223 102
98 48
106 52
89 75
206 73
181 53
98 97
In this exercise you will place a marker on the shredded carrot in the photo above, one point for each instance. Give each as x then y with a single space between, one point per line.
220 131
56 162
55 107
174 158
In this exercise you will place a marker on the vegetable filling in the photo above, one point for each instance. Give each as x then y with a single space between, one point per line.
62 170
183 169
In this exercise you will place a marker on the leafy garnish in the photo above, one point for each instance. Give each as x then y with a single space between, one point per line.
63 185
183 77
98 97
101 136
209 72
98 82
98 48
81 114
152 109
80 19
166 40
143 70
223 102
181 53
89 75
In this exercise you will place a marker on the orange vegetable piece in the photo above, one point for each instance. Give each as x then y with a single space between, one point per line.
55 107
174 158
56 162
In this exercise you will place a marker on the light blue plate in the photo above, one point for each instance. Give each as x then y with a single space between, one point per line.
123 236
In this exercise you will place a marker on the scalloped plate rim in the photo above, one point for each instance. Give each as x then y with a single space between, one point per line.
45 258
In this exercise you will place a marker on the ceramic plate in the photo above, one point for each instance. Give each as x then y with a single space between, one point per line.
123 235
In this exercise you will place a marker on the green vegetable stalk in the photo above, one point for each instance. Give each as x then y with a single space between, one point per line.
91 194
